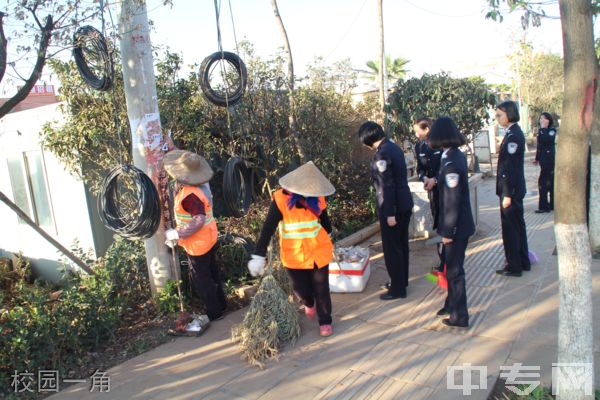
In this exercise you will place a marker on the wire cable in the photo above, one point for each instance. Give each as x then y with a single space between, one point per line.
90 46
132 218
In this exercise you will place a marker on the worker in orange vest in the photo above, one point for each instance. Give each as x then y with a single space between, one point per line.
299 209
196 228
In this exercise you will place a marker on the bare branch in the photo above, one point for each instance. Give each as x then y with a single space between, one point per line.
46 34
3 47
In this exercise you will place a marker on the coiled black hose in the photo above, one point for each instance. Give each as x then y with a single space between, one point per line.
237 189
133 214
91 54
205 68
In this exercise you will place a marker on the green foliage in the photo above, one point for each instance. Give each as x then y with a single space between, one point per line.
541 78
465 100
395 69
42 328
167 299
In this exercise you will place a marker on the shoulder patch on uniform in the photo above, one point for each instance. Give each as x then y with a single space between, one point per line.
552 132
512 147
452 180
381 165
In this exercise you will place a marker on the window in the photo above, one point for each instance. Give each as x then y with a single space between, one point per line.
28 181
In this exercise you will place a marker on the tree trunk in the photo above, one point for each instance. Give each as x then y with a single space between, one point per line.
575 336
292 114
381 58
594 212
144 119
49 238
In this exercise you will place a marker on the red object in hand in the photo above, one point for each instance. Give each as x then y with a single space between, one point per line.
442 280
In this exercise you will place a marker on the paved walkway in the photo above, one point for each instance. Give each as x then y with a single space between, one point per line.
381 350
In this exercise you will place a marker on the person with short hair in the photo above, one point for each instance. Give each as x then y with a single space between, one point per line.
394 205
544 157
455 224
511 189
299 210
428 165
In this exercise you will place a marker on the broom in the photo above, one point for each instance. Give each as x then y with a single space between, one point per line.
270 322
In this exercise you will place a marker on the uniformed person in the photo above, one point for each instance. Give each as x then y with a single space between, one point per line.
510 188
394 204
428 165
544 157
455 223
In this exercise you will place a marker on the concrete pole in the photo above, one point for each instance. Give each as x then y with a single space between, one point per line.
382 93
144 120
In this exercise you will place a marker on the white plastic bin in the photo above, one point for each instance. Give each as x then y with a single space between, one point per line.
349 277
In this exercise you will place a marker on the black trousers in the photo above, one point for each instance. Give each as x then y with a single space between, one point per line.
312 287
456 301
546 187
441 255
433 196
395 251
514 236
207 283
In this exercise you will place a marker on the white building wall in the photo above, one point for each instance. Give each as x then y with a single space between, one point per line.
19 132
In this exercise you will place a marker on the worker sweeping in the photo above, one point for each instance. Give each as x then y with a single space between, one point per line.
196 228
299 209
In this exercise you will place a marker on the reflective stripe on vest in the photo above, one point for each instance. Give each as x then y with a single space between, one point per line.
303 242
299 230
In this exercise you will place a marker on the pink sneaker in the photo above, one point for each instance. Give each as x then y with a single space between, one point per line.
310 311
325 330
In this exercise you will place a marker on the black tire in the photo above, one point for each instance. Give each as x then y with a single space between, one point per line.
88 39
237 189
208 91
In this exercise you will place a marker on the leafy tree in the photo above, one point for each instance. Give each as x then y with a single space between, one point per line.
46 27
395 69
465 100
541 78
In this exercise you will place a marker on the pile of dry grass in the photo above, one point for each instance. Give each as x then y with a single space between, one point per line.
271 320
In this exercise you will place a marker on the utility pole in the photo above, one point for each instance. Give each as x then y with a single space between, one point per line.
382 71
144 120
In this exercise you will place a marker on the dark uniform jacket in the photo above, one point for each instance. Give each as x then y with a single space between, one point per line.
455 218
388 170
428 160
510 177
545 147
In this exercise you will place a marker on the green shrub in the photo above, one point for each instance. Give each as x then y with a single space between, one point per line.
42 328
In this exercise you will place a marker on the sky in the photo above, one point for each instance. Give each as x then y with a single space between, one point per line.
434 35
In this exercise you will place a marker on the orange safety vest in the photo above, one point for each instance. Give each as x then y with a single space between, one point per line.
205 238
302 240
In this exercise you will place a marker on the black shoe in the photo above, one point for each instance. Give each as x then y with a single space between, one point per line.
441 312
389 296
386 285
446 321
506 272
527 268
541 211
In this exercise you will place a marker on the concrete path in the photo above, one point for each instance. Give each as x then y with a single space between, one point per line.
382 350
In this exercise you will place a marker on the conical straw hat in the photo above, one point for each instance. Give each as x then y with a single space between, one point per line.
307 181
187 167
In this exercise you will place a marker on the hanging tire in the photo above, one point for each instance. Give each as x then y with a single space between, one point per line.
214 96
237 189
90 45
